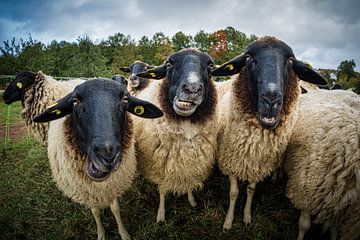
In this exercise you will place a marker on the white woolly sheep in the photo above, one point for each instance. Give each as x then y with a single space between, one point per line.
137 84
177 152
323 161
91 151
257 114
36 92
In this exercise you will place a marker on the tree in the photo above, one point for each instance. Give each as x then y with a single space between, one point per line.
346 70
201 41
181 41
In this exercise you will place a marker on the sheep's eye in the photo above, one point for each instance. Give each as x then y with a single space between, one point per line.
75 101
168 65
211 66
291 60
126 99
248 57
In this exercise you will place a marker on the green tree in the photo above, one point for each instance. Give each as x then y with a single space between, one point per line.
201 41
346 70
181 41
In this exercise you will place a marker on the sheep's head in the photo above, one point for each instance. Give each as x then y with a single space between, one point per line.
99 122
188 80
16 89
120 79
270 64
135 68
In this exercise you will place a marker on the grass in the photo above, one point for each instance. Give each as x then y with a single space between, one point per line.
32 207
10 114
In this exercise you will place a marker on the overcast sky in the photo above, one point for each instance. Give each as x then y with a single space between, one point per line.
321 32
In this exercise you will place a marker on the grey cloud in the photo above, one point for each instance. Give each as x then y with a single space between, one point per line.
322 32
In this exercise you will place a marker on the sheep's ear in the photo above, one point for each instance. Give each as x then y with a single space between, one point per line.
143 108
306 73
125 69
231 67
60 109
154 73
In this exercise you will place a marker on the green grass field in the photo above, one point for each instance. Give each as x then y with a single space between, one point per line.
31 206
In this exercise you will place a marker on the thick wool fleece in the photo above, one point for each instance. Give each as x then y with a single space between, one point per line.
135 91
67 163
178 156
44 92
245 149
223 87
323 157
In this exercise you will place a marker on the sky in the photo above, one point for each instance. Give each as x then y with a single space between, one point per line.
321 32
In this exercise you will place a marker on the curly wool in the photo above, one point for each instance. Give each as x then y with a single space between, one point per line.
323 156
67 163
178 156
245 149
43 92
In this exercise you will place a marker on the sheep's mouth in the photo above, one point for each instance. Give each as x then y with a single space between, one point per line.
97 171
134 83
269 122
184 108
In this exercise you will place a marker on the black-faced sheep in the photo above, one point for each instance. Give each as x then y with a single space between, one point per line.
136 83
91 150
177 152
36 91
257 114
323 162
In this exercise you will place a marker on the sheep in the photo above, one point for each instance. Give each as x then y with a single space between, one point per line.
36 91
137 84
257 114
177 152
323 161
91 150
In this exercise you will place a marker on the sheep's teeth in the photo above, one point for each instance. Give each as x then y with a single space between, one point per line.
184 104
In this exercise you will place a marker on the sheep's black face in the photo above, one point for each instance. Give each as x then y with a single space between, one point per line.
98 122
99 116
16 89
268 68
188 73
135 68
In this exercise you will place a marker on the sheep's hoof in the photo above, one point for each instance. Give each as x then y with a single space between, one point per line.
125 236
247 219
227 224
160 217
101 237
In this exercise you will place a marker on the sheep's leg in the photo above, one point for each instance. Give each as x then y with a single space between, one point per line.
115 209
234 191
304 224
191 199
161 211
333 232
100 229
247 210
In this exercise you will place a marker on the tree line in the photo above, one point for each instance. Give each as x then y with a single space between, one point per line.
88 58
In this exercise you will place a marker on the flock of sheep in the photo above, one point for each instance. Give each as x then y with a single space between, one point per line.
250 126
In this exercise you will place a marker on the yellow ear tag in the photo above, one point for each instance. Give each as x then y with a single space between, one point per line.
152 74
19 85
56 111
139 110
230 67
51 105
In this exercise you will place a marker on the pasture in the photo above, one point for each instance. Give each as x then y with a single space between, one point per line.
31 206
